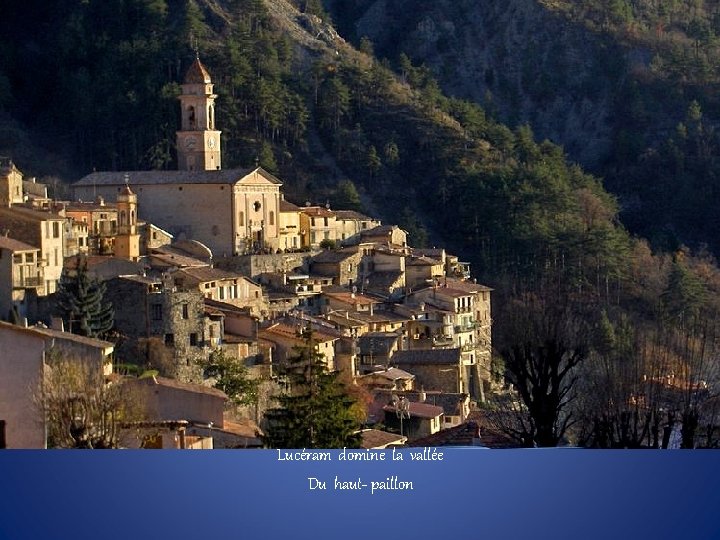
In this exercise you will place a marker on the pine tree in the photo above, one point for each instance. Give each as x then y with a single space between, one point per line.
80 303
316 411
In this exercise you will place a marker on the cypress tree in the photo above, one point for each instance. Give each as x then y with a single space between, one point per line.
80 303
315 411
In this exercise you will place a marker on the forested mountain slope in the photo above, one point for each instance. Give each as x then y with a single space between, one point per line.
627 87
95 83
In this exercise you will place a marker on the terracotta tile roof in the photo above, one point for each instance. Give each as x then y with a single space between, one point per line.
380 230
427 357
140 178
203 274
379 317
291 332
142 279
392 374
15 245
30 214
490 436
225 307
91 206
433 253
352 298
377 342
173 258
374 438
317 211
466 434
242 428
422 261
287 206
421 410
351 215
57 334
468 286
187 387
333 256
197 74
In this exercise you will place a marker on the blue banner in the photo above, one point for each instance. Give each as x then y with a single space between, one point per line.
436 493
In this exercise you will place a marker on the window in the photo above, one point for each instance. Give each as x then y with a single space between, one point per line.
241 219
221 292
156 312
326 221
169 339
272 217
29 257
193 339
212 330
56 229
312 222
185 314
17 259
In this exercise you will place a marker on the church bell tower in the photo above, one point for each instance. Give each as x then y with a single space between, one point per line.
198 142
127 239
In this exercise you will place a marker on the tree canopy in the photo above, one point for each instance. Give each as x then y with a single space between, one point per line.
315 411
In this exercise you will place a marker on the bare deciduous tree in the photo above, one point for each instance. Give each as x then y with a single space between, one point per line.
81 408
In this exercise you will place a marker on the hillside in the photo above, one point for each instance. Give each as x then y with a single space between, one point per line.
617 84
96 84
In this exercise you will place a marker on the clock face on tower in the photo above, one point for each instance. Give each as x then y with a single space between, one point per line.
190 143
211 142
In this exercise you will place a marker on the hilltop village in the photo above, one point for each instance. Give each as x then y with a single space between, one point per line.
204 263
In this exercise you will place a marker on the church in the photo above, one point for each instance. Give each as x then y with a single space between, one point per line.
231 211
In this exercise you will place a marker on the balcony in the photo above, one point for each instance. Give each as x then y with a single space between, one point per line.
27 282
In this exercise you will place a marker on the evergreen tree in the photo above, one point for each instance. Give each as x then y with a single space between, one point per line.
232 377
316 411
80 303
347 196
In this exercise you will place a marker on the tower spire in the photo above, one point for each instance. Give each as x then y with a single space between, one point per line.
198 141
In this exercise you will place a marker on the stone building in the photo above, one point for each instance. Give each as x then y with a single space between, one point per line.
11 183
317 223
350 224
223 286
456 314
434 369
40 229
289 216
231 211
163 326
22 364
100 218
344 265
21 274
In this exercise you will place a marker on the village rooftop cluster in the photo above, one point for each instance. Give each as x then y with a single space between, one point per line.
202 259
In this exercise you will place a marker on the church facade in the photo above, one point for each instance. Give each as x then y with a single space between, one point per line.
230 211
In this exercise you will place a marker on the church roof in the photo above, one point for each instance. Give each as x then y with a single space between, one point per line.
139 178
197 74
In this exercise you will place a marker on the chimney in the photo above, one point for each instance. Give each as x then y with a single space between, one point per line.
56 323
